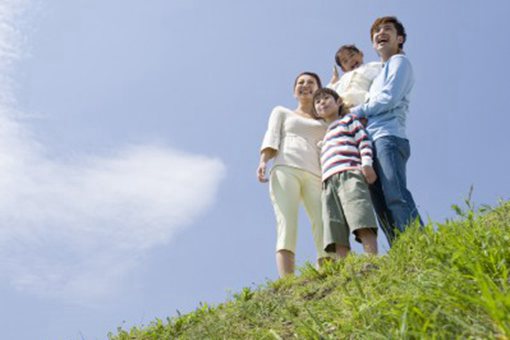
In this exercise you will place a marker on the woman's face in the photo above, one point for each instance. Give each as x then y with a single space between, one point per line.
306 85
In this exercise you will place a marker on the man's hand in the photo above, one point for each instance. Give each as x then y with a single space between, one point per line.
369 174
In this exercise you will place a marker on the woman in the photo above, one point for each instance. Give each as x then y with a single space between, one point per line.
291 138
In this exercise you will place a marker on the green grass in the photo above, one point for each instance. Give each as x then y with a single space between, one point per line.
447 281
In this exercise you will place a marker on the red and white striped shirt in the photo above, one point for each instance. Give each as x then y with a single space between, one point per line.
346 146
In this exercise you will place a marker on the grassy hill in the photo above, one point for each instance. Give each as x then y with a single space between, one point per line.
449 280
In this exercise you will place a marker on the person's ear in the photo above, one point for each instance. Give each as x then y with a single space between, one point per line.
400 39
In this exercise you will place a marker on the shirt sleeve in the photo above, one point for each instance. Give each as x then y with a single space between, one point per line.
274 130
364 144
398 80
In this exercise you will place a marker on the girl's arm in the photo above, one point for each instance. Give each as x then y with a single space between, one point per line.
334 78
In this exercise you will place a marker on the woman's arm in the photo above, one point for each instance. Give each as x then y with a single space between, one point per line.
271 142
265 156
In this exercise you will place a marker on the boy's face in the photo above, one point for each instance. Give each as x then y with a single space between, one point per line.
327 107
350 60
386 41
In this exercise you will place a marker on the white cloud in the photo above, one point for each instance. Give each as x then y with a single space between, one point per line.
74 229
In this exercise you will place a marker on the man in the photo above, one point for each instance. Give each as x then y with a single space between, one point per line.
386 111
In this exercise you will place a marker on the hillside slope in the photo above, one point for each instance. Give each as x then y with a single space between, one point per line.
449 280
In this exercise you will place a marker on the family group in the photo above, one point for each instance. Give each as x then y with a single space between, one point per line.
343 152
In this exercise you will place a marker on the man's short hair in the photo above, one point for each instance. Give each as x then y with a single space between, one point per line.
391 20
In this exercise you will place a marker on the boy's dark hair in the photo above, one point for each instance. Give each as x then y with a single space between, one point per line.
391 20
323 92
342 49
311 74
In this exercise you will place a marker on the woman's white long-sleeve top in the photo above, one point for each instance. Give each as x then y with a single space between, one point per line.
295 138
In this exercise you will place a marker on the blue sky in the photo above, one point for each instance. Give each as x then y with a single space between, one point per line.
130 132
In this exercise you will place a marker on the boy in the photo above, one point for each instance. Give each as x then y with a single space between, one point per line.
386 111
346 161
353 86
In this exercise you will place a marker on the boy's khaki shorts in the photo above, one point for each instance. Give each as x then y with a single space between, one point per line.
346 207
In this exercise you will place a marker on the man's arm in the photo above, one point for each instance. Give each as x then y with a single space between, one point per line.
397 84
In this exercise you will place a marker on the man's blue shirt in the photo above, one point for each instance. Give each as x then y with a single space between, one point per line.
388 103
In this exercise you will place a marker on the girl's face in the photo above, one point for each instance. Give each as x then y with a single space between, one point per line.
306 85
351 60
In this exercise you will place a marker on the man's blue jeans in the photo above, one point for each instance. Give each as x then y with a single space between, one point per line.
392 200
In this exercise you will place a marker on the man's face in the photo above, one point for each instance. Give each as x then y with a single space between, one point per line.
386 41
350 60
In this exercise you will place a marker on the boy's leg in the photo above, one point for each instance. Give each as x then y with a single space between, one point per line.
392 155
369 240
342 251
285 192
359 212
336 230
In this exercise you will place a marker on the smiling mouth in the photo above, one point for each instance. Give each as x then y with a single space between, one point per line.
322 108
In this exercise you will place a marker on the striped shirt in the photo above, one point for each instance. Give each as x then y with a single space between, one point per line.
346 146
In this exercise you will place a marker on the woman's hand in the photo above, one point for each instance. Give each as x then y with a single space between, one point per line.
265 156
261 172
